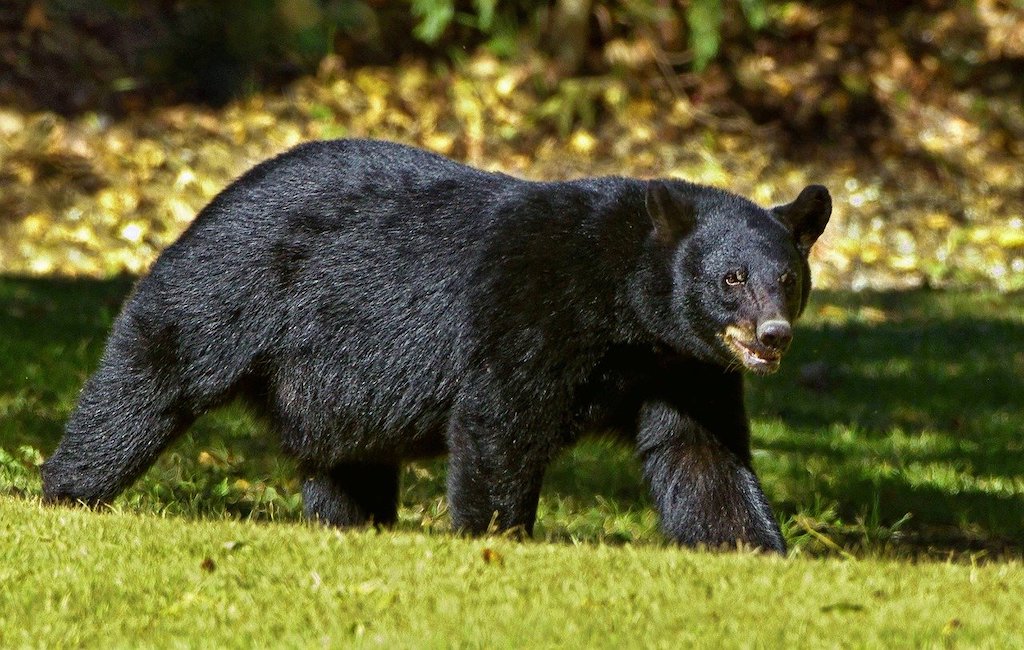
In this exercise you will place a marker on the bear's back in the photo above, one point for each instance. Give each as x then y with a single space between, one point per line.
337 273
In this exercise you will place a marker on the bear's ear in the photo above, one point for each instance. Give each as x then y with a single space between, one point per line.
672 214
807 216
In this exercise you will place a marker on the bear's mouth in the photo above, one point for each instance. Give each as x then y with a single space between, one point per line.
754 356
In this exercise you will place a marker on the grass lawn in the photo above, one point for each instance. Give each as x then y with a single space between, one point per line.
890 446
116 580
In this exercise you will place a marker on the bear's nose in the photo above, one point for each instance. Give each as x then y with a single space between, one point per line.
776 334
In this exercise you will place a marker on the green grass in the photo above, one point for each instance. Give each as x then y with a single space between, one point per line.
890 443
114 580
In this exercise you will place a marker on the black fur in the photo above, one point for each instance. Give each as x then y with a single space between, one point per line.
380 303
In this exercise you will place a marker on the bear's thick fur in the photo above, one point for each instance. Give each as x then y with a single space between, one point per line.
380 303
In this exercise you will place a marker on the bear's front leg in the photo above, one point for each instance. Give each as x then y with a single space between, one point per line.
701 479
494 476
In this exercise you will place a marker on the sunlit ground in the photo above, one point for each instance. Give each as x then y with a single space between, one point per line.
94 196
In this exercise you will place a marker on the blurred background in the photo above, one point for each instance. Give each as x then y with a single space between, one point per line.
120 119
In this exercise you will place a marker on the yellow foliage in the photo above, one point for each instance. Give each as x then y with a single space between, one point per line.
90 196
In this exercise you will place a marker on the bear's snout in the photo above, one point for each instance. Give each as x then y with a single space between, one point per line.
776 334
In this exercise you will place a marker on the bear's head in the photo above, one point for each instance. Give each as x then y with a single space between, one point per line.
737 275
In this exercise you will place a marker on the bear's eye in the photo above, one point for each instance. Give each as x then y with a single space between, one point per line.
787 279
735 278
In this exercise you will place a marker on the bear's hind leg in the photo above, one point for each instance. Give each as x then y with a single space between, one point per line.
352 494
124 418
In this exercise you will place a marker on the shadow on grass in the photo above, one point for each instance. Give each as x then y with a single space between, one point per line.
889 404
917 412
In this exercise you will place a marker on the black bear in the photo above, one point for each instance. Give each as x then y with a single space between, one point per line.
379 303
